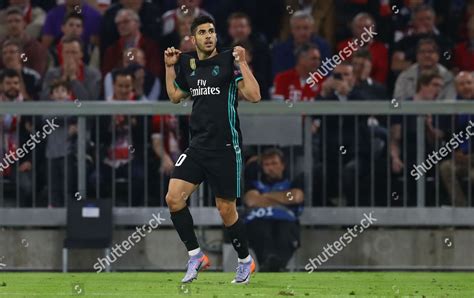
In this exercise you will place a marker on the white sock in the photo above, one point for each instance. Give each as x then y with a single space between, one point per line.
246 260
194 252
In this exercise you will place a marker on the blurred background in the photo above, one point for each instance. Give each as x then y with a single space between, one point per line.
362 138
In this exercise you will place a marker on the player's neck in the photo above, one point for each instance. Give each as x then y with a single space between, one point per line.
204 56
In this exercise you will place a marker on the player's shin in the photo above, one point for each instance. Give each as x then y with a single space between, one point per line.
184 225
238 236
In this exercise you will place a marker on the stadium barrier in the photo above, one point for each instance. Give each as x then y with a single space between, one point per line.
402 208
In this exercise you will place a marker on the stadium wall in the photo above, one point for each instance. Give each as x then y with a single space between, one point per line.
375 248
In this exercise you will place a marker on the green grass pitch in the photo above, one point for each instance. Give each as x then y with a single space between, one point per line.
215 284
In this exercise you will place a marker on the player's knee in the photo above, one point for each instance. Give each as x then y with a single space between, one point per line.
226 210
172 200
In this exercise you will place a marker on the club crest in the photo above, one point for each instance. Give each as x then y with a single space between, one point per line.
215 71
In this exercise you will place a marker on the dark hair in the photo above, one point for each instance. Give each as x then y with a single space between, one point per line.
13 42
14 10
304 48
239 15
429 41
121 72
73 15
270 152
199 21
426 77
363 54
59 83
8 73
71 39
423 7
246 44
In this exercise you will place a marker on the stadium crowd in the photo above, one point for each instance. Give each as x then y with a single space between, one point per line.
105 50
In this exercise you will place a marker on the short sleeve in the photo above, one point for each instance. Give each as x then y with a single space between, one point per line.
237 73
280 87
49 24
180 81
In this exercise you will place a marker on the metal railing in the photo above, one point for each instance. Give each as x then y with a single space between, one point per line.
394 205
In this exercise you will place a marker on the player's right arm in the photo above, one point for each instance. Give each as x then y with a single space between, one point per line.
171 58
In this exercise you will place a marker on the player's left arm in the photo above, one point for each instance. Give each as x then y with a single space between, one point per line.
292 196
248 86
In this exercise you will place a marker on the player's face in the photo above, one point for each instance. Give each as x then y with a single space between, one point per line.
273 167
205 38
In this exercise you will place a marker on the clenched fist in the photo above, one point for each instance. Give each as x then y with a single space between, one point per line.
171 56
239 54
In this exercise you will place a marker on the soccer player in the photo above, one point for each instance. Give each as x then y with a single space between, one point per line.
212 79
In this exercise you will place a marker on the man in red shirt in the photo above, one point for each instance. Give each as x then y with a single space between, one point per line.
377 49
128 24
464 51
291 84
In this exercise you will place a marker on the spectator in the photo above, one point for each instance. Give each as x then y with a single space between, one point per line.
405 51
323 13
464 51
73 26
274 203
241 33
182 32
185 7
427 58
352 133
101 5
291 84
33 18
379 52
35 55
428 87
148 12
52 27
60 149
146 85
403 20
368 87
462 163
123 144
30 80
128 23
302 28
84 80
372 133
14 130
